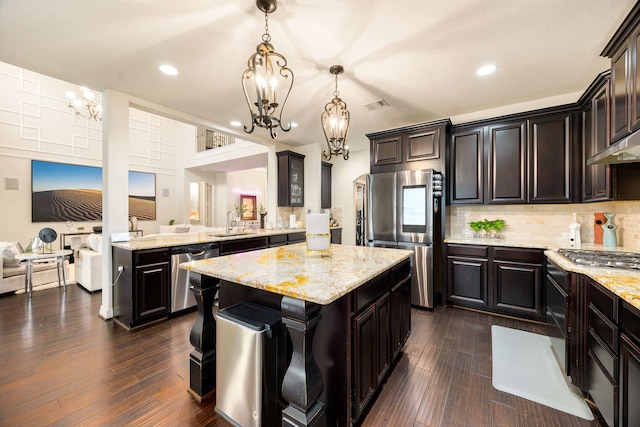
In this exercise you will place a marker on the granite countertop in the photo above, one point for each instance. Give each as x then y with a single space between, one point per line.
624 283
179 239
287 270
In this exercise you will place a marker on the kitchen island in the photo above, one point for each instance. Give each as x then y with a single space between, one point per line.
348 316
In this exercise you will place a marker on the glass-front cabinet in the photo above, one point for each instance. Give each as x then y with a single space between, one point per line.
290 179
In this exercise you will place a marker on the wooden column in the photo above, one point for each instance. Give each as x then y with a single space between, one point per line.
202 360
302 384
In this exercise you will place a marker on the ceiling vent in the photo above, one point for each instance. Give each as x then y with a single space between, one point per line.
376 105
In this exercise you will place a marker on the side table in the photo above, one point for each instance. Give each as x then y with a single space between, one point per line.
28 258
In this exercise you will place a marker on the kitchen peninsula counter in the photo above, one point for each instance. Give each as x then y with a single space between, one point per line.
180 239
347 314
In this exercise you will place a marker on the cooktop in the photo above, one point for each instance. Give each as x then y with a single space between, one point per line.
612 259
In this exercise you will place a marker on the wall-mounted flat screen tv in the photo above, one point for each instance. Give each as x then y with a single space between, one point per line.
64 192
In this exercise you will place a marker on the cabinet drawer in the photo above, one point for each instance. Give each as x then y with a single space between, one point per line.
605 356
366 295
279 239
603 327
296 237
468 250
631 322
151 256
605 301
228 247
400 271
533 256
602 390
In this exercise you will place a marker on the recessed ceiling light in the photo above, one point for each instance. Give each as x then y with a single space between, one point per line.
168 69
235 123
293 124
486 69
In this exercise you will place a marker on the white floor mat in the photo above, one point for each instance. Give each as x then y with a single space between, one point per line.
524 364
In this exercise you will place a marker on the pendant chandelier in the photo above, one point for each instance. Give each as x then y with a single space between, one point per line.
335 122
268 81
89 107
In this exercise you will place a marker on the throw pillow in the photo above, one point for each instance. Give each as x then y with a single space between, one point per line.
8 251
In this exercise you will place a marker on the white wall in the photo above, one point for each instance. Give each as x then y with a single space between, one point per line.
343 176
35 123
251 182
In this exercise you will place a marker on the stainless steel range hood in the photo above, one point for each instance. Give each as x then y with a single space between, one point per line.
627 150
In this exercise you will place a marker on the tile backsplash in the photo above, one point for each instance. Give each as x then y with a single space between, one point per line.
549 222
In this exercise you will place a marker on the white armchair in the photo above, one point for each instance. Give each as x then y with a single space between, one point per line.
88 264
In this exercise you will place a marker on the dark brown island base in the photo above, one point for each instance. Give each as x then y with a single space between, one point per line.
347 317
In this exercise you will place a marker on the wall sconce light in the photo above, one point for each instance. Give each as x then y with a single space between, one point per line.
267 80
335 122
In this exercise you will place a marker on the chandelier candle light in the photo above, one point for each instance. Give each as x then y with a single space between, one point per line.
335 122
268 79
318 234
89 101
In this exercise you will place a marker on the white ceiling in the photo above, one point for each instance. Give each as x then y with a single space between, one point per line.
418 55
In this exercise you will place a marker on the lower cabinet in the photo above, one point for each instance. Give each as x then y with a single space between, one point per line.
151 292
603 319
400 310
630 367
467 276
296 238
228 247
497 279
141 291
371 351
380 326
518 282
612 368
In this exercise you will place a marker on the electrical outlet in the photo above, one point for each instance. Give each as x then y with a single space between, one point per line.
121 267
565 235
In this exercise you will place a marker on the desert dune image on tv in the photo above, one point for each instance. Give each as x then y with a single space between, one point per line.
63 192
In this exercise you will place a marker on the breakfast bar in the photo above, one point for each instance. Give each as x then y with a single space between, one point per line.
347 316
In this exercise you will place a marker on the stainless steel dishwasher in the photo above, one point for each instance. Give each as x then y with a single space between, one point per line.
181 297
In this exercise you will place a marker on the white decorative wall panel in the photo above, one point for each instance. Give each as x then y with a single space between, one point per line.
35 121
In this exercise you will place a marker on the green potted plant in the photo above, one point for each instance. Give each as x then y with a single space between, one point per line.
476 227
498 225
487 228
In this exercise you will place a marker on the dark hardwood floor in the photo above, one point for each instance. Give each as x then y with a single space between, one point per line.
61 365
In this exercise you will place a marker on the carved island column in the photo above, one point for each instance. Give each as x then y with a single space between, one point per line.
202 359
302 383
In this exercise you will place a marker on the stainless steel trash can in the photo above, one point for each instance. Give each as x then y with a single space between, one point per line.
250 364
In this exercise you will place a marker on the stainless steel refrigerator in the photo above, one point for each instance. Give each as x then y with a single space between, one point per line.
400 209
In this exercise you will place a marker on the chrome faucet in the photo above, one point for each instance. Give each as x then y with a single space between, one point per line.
233 217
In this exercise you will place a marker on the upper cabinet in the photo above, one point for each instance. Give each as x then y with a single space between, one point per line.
290 179
527 159
413 147
596 179
467 166
624 49
325 185
507 162
550 159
